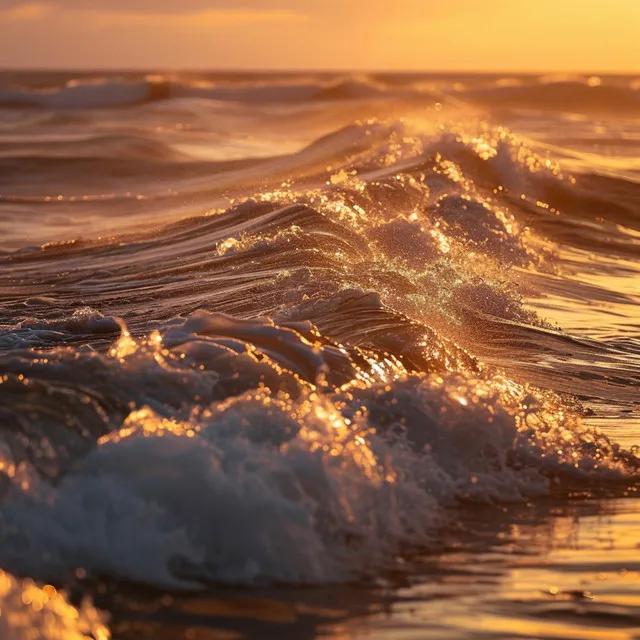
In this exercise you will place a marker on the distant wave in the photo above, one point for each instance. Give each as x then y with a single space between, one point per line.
568 95
116 146
561 96
113 93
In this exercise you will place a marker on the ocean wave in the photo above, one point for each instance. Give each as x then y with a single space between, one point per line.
291 475
113 146
570 94
263 370
114 93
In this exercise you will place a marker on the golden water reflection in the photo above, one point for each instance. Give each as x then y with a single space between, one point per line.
569 571
555 569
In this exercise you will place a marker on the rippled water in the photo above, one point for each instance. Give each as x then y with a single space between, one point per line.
344 355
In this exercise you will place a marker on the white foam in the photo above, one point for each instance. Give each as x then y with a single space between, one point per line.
262 488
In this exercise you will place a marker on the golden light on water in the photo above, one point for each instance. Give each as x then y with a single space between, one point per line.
362 231
32 612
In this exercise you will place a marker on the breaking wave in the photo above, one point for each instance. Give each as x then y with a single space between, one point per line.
292 363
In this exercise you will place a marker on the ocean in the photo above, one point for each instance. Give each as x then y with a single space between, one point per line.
319 355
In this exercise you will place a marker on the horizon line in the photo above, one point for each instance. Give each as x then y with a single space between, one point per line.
317 70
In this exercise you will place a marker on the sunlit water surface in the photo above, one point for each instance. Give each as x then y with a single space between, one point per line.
319 356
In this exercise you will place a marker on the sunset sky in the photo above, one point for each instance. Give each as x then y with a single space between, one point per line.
534 35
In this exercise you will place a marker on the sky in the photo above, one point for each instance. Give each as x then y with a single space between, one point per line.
431 35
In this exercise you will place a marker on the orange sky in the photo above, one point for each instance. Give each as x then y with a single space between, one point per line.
528 35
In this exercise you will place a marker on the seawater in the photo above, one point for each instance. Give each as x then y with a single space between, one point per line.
319 354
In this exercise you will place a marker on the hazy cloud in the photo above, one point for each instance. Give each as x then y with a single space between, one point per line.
23 12
171 6
163 14
205 18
